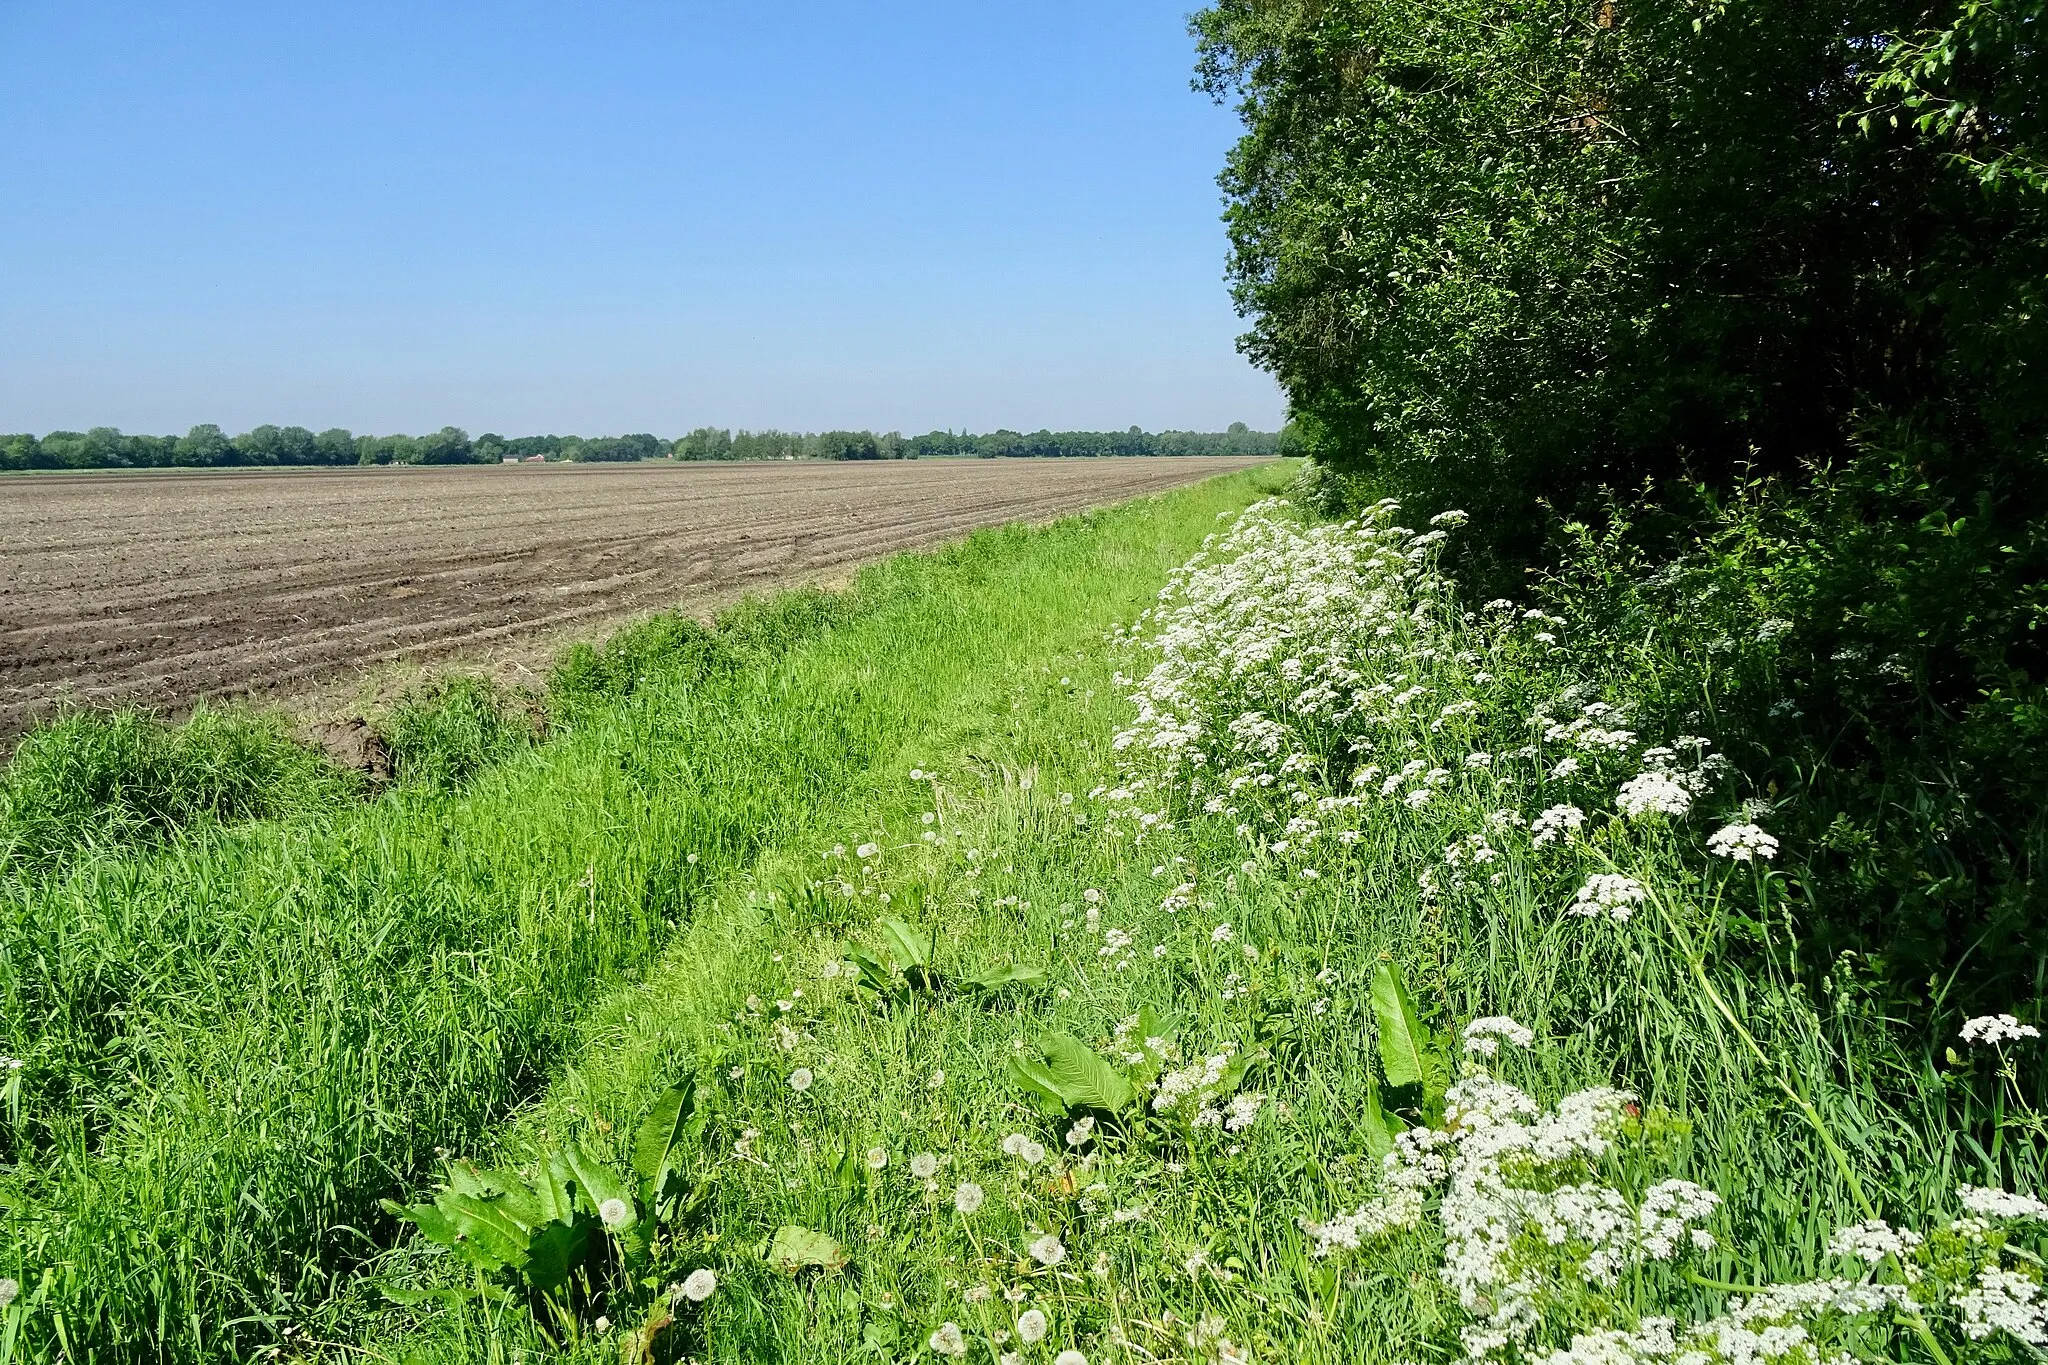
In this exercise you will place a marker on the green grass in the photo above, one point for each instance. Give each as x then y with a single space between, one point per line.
236 1043
1207 1254
239 1041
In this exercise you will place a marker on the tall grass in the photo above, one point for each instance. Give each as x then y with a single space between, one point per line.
1245 858
236 1044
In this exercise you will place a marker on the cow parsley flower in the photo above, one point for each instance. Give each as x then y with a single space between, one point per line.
1556 824
1609 894
1872 1240
1995 1029
1483 1037
1653 793
1991 1202
1742 843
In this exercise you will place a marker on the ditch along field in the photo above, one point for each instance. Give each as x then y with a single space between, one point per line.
163 588
1182 933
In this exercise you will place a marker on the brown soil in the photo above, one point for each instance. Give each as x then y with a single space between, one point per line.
163 588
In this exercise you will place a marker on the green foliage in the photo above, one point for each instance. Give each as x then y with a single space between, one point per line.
235 1045
115 780
1496 257
1068 1076
443 734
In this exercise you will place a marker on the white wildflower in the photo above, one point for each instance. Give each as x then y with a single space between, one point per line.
800 1079
700 1285
1991 1202
948 1341
1994 1029
1609 894
1032 1326
967 1198
1653 793
1743 843
924 1165
1048 1250
1483 1037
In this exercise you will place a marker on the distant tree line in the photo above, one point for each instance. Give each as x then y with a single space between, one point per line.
208 445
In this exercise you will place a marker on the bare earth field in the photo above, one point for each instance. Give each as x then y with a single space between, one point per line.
162 588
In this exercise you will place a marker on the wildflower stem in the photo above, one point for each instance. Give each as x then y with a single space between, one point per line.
1841 1158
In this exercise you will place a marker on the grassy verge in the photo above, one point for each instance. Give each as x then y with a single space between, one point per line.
234 1046
1391 986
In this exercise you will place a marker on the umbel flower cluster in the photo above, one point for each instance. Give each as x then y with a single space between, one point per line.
1535 1230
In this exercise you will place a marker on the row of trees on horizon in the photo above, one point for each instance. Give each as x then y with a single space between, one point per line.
208 446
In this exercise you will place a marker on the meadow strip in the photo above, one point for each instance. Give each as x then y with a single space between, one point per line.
234 1047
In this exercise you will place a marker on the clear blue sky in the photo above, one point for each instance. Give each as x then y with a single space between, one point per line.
612 216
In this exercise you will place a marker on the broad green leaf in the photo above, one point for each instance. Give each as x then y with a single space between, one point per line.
485 1229
1082 1078
596 1179
1380 1127
1038 1084
1403 1041
655 1143
793 1248
1014 974
877 977
554 1252
910 947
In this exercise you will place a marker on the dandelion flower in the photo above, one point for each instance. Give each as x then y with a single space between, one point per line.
1070 1357
800 1079
878 1158
10 1289
1048 1250
615 1213
1032 1327
948 1341
1031 1153
1994 1029
866 851
701 1285
938 1079
1014 1144
924 1165
967 1199
1742 843
1079 1134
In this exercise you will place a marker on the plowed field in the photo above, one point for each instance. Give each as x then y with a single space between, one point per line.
162 588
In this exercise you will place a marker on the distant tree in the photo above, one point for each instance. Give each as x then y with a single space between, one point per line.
449 445
205 444
334 446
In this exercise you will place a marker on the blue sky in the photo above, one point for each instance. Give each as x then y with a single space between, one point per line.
609 216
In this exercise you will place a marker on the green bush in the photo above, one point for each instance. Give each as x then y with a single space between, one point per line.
97 779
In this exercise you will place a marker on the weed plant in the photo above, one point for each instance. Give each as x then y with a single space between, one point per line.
107 781
231 1048
1356 877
